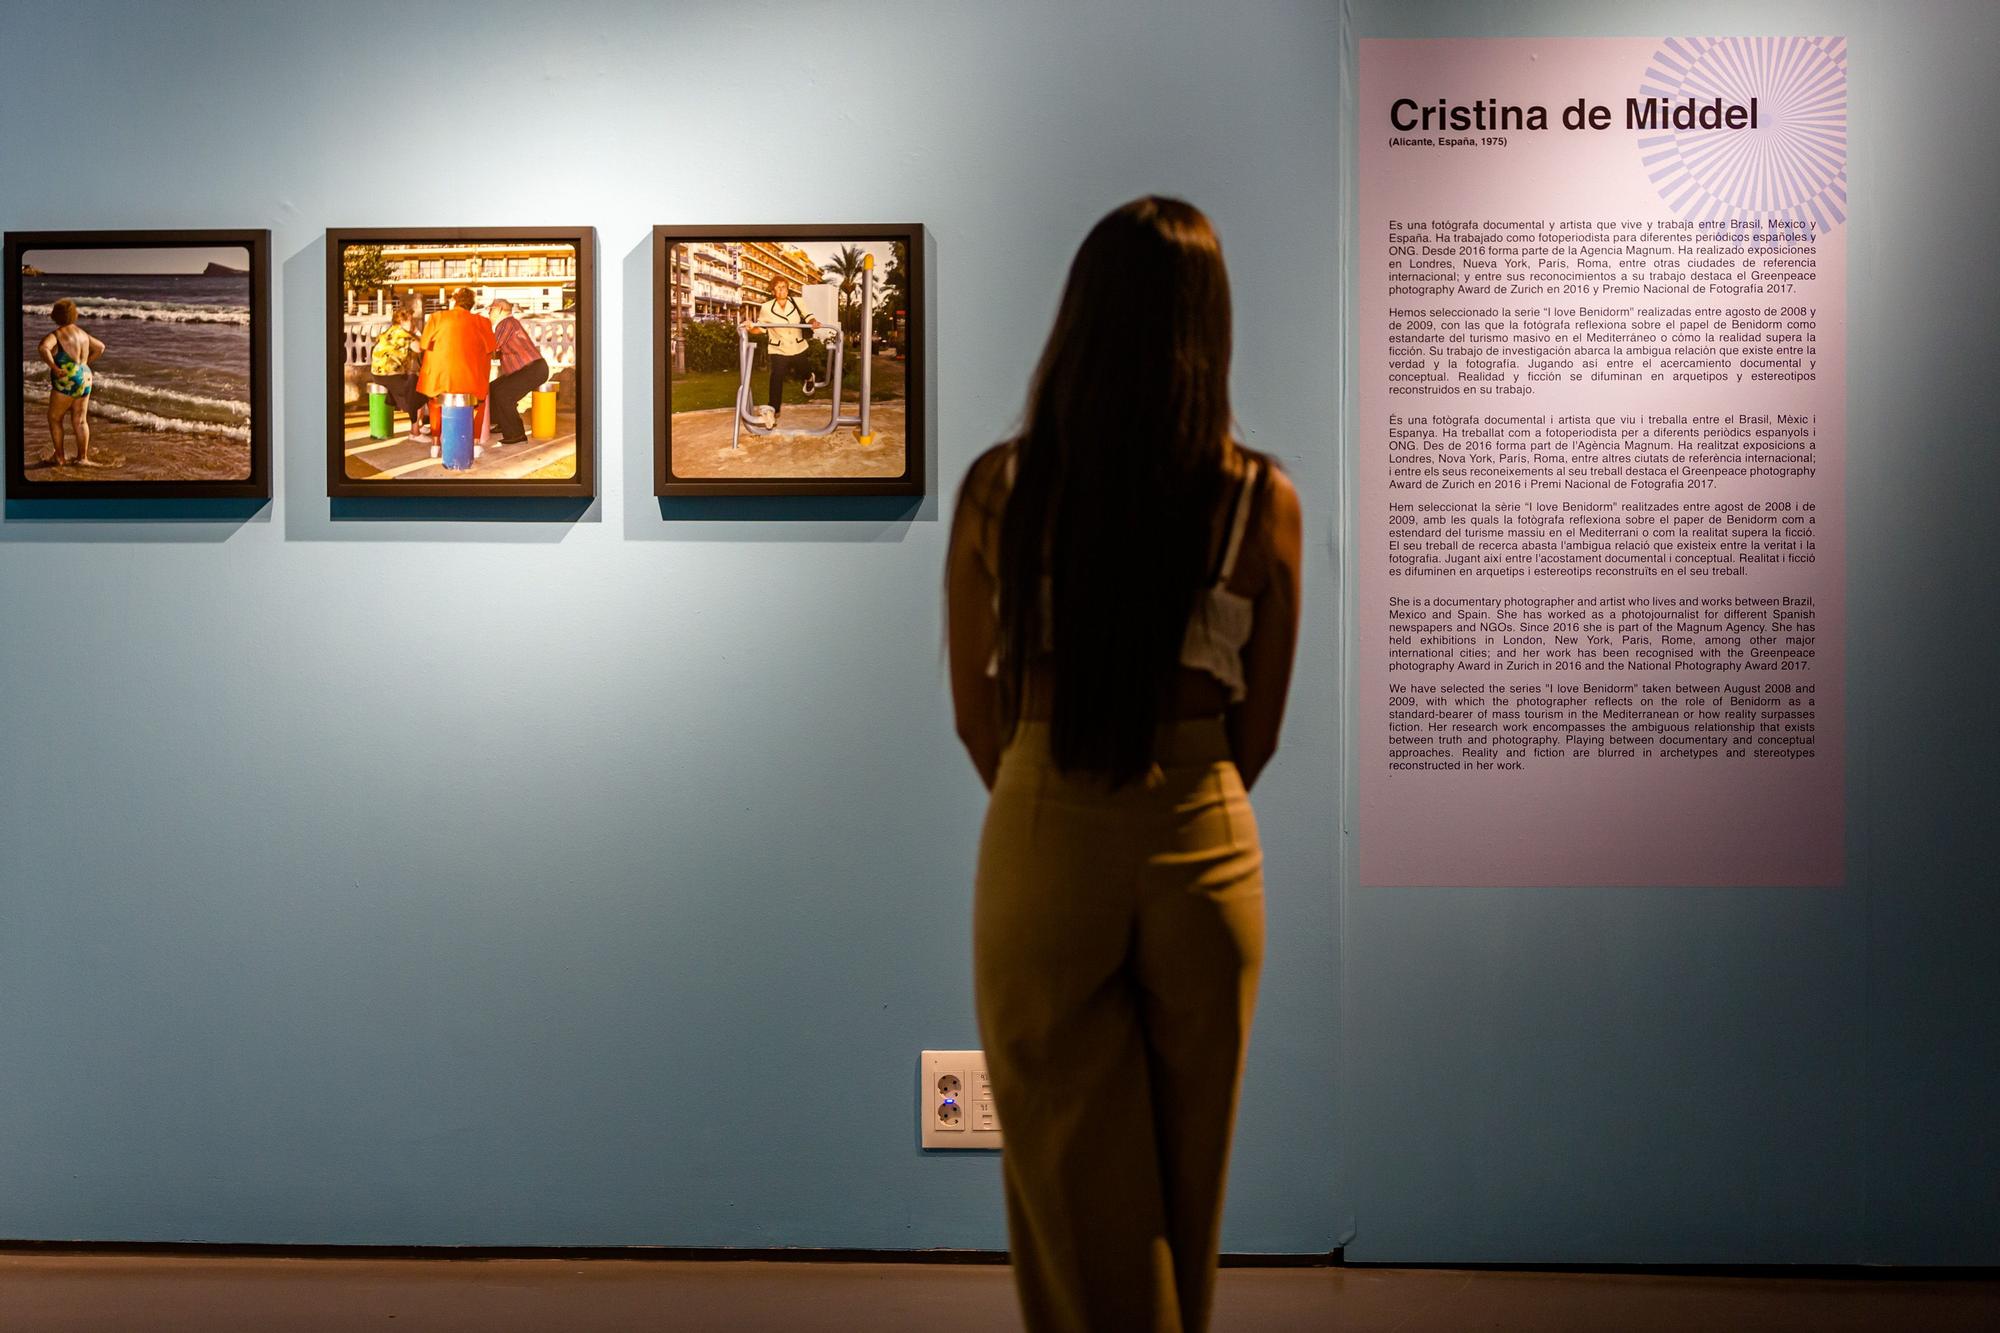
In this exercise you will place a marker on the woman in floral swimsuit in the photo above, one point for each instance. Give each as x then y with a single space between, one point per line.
68 353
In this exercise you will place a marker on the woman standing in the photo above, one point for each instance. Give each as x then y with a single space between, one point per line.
1123 604
68 352
786 321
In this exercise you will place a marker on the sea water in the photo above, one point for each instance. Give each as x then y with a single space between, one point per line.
170 394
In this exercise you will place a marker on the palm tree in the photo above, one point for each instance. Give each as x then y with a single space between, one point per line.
847 266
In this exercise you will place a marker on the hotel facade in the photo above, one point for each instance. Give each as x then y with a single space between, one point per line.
716 281
538 279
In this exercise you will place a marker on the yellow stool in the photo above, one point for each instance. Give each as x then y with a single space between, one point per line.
542 416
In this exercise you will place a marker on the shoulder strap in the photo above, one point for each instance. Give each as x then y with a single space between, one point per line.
1238 522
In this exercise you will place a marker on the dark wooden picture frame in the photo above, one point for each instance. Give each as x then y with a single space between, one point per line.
583 484
256 243
910 337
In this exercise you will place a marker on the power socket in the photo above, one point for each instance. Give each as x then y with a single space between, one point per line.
955 1101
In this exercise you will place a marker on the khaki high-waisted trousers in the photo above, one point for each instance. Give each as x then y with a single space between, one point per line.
1117 937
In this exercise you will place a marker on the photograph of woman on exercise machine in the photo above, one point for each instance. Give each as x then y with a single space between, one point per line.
746 314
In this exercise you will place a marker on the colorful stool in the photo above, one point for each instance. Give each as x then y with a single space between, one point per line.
455 434
542 415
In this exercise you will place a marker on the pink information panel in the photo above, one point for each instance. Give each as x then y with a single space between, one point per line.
1600 520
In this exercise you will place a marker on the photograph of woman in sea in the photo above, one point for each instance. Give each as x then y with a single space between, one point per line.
137 364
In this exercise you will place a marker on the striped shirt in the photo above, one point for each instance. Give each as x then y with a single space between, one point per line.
517 346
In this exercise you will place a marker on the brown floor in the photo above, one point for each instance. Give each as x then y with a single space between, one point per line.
40 1293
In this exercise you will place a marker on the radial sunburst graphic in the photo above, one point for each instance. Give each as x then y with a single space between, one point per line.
1792 166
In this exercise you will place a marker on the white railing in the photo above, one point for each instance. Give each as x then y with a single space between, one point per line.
555 334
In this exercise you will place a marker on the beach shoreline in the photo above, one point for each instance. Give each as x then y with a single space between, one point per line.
125 454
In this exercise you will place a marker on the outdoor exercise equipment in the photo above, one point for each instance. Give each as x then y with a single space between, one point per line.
829 331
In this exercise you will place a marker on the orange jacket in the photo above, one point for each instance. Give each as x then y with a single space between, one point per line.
458 349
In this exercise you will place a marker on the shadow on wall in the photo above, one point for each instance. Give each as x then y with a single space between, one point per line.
837 509
129 520
461 509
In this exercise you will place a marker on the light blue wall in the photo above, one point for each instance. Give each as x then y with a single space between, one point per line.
1754 1075
597 881
592 881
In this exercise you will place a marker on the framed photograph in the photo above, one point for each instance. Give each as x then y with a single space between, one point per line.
142 364
461 361
788 360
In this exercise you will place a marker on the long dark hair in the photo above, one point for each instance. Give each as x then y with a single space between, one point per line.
1120 466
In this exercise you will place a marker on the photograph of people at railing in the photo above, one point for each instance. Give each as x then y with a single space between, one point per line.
459 361
787 357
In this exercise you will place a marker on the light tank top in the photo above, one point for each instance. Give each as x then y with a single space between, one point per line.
1222 619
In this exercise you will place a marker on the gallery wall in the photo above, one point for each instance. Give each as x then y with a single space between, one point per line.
406 873
1732 1075
485 875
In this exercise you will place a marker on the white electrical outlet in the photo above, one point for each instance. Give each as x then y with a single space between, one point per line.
955 1101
